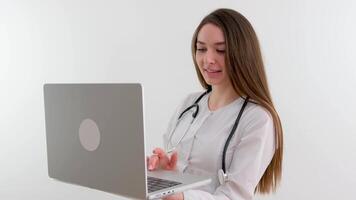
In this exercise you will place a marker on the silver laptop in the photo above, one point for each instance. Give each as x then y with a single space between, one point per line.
95 138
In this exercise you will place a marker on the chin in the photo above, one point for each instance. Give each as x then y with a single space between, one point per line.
213 83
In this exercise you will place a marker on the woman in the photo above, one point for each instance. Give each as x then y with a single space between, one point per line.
229 65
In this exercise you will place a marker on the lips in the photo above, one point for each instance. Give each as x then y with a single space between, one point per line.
213 70
212 73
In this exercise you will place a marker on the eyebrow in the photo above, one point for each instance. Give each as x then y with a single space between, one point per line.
216 43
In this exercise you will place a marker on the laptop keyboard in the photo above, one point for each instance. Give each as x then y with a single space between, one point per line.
155 184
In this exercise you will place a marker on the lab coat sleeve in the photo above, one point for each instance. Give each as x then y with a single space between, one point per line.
253 152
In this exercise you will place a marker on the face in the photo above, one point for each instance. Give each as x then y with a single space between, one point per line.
210 55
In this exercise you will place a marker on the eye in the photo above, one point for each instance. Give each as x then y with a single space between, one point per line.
200 49
221 51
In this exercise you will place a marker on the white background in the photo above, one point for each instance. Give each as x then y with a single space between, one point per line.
309 49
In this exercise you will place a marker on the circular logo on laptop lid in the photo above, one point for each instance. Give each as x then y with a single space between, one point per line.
89 135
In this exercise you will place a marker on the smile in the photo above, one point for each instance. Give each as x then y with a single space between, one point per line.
212 71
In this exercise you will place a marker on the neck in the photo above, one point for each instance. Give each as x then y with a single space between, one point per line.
221 96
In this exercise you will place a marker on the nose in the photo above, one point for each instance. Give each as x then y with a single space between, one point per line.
210 57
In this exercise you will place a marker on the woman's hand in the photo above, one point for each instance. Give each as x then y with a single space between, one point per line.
160 159
178 196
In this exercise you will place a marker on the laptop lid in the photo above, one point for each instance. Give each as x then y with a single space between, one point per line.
86 134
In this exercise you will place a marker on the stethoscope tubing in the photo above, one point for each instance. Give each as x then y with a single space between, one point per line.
232 132
222 172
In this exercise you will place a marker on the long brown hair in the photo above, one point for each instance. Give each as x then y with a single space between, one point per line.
247 74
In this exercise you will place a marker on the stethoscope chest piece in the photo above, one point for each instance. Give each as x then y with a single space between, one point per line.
222 176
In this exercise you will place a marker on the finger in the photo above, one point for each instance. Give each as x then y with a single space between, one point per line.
153 162
163 158
160 152
149 163
173 161
174 197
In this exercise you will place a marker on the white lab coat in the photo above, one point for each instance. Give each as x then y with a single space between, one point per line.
200 152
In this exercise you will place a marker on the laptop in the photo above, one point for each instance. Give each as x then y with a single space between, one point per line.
95 138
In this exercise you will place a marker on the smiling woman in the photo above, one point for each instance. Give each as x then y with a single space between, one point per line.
235 135
242 61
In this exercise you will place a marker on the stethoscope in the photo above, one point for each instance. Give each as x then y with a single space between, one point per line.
222 175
